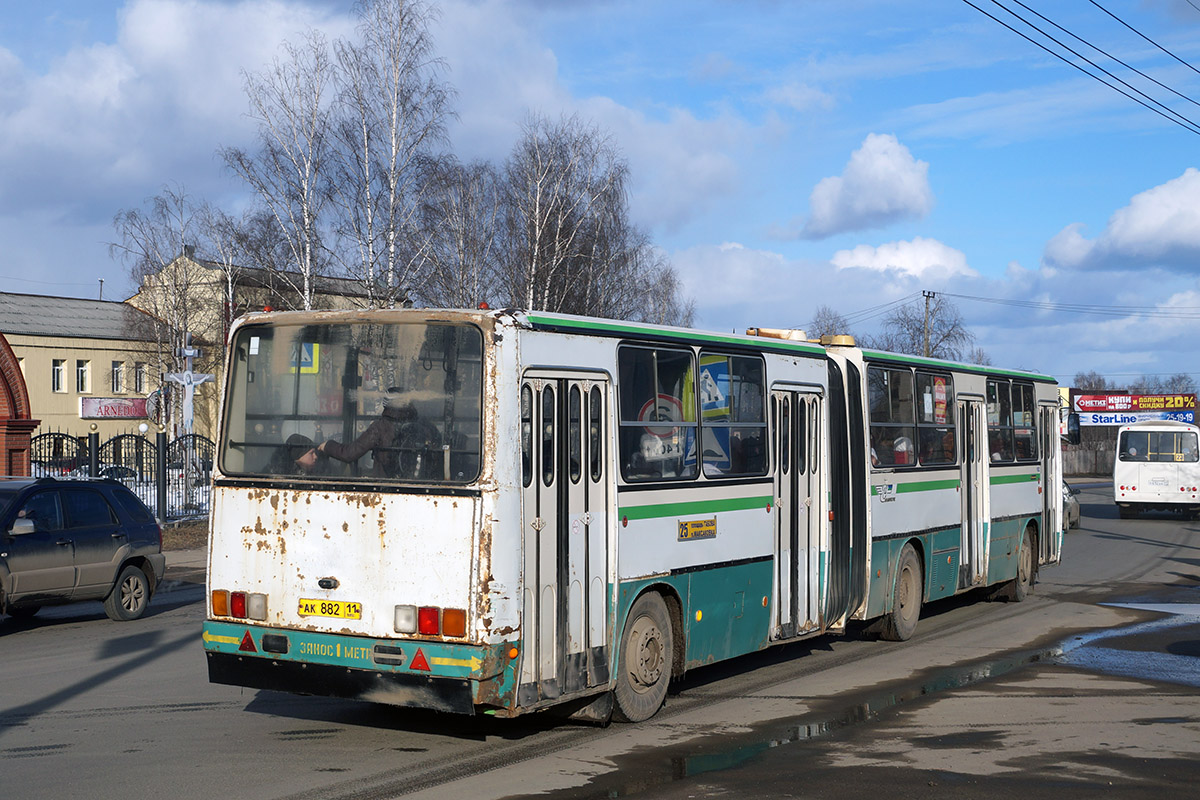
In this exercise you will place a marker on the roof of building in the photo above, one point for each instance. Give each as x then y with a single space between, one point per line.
42 315
268 279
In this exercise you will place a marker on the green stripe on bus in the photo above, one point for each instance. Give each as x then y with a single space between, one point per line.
879 355
689 336
921 486
1000 479
698 507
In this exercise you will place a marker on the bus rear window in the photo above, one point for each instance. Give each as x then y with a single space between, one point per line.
1158 446
339 401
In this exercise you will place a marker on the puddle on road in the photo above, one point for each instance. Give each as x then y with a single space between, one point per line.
1163 649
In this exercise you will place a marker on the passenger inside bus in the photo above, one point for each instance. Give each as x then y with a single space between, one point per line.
401 445
297 456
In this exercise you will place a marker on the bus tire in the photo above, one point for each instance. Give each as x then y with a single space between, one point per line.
645 667
1018 587
901 621
129 597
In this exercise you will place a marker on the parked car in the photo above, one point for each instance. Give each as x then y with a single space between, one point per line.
65 539
1071 512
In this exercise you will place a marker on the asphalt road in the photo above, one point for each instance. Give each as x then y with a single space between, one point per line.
1092 686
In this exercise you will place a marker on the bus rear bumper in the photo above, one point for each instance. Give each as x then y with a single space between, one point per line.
398 689
442 676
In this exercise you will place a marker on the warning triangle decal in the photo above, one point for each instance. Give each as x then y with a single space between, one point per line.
419 661
248 644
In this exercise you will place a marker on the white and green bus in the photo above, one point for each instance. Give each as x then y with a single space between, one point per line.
526 510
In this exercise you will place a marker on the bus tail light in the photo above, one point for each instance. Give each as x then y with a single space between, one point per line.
220 603
237 604
405 619
427 621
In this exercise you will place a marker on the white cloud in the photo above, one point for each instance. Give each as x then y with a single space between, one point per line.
922 258
107 124
681 164
882 184
1159 227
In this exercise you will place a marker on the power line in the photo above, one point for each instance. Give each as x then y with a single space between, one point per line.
1154 312
1144 36
1107 54
1188 125
1182 120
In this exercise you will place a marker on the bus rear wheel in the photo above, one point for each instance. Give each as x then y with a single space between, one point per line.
1018 587
645 667
901 621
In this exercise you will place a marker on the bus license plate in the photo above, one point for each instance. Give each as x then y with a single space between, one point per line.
341 609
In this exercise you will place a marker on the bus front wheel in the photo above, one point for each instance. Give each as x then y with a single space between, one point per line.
645 666
901 621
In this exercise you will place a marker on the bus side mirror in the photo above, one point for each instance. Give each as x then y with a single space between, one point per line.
1073 428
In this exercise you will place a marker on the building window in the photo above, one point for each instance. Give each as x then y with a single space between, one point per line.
139 378
58 375
118 377
83 383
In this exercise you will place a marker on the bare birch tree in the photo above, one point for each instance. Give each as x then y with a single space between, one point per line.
461 217
391 112
560 178
288 173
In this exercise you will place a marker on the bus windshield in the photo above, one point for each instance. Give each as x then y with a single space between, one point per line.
1156 446
344 400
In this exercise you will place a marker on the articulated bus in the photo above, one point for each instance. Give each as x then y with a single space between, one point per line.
527 510
1157 467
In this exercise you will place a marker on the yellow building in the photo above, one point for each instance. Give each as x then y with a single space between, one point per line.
84 362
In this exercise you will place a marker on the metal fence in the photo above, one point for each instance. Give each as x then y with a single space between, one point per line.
172 478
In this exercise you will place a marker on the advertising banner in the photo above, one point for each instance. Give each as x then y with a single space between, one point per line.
1134 402
1130 417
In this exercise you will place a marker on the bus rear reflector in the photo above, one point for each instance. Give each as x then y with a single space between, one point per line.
220 603
427 621
454 622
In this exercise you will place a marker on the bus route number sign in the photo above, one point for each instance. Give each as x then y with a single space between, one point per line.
341 609
692 529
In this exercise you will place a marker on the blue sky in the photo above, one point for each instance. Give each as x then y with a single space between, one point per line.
785 155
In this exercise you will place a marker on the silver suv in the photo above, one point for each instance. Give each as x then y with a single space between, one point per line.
64 540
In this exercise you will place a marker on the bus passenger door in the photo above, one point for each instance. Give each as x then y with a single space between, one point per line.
565 477
1050 542
973 556
796 418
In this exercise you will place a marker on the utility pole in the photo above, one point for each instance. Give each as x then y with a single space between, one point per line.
928 296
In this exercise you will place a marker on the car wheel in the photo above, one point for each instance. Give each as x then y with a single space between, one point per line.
901 622
645 664
129 598
23 612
